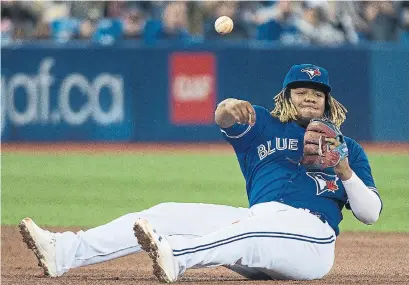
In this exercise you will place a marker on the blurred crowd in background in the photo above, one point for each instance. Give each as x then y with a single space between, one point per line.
324 23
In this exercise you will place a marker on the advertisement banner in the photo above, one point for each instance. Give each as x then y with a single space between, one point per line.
46 96
169 93
192 88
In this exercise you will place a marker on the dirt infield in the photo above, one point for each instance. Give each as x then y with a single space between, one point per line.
365 258
95 148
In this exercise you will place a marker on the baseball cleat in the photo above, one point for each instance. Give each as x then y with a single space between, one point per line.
42 243
158 249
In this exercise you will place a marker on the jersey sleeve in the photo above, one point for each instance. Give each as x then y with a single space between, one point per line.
241 136
359 163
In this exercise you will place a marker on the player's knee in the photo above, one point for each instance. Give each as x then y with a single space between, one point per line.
162 206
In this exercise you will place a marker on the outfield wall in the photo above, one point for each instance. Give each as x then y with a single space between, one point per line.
168 92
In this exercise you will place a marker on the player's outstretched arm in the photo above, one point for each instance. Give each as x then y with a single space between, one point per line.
231 111
364 202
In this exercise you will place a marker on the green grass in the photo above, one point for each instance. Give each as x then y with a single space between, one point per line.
89 190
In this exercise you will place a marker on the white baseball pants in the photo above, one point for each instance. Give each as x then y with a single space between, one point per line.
116 238
278 240
269 240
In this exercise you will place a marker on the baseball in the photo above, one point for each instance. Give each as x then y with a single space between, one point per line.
224 25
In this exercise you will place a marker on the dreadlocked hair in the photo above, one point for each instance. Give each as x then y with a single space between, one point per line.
285 110
335 111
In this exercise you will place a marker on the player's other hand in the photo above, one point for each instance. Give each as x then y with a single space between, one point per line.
232 111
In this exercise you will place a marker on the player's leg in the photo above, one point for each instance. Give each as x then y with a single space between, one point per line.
116 238
280 241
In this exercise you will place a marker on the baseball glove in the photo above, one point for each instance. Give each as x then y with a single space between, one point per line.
317 151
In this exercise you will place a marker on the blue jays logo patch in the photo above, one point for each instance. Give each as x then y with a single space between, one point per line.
324 182
312 72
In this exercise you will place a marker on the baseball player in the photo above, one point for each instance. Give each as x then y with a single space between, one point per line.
300 172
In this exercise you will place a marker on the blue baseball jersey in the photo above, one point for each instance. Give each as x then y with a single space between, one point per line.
269 152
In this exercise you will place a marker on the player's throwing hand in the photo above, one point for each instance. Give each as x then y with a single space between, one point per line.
231 111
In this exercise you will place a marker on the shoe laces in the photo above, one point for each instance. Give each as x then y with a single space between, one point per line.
53 239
